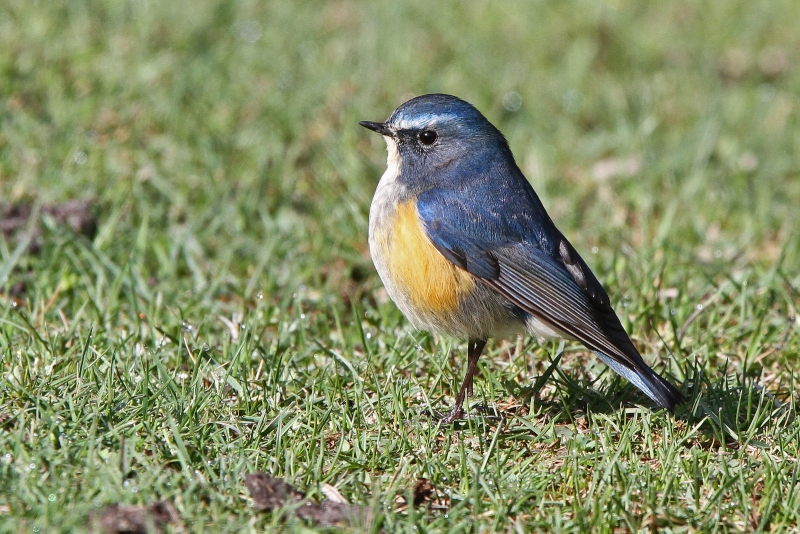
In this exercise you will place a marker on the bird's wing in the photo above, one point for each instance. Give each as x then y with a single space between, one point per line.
562 291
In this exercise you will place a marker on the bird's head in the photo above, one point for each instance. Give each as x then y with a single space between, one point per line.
432 131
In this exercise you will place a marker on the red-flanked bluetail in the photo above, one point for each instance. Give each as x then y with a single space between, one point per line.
465 247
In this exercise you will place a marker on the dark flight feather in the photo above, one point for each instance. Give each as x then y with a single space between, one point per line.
561 291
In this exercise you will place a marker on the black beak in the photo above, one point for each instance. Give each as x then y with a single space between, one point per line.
380 127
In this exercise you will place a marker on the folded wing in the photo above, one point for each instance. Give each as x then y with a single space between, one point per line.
558 289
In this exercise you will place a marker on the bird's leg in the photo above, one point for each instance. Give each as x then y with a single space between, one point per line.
473 353
472 347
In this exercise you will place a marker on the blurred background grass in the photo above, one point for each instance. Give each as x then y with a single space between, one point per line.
218 143
240 116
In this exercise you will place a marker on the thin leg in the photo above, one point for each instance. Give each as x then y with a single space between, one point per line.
473 353
472 347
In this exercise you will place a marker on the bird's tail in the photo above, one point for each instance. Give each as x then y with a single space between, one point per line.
662 392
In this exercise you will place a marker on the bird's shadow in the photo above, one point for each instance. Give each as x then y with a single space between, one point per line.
735 409
721 408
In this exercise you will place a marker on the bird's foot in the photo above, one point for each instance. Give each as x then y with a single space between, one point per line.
482 411
448 419
489 412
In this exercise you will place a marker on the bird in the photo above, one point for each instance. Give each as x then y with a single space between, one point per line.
465 248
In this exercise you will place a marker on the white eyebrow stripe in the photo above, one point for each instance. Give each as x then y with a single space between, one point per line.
421 121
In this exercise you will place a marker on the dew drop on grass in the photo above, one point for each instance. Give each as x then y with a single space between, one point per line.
595 250
31 466
186 326
368 335
260 295
699 307
51 497
302 315
206 348
672 311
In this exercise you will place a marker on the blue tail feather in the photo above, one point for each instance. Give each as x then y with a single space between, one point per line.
651 384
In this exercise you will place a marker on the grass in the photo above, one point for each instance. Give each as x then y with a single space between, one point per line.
226 318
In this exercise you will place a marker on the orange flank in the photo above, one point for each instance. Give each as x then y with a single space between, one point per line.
427 278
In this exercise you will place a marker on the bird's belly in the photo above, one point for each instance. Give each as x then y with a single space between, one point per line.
421 281
432 292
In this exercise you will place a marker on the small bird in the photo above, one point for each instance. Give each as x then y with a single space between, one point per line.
465 247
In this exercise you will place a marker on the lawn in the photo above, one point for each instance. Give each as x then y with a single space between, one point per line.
210 310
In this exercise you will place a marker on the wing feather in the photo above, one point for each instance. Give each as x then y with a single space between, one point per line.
532 265
533 283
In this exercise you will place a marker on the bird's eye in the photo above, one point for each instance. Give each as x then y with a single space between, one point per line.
427 137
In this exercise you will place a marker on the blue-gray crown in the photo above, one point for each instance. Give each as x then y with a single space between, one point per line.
424 110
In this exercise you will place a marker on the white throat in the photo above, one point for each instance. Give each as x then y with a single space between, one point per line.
393 161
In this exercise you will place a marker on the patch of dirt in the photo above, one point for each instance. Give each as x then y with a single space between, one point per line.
423 491
5 420
117 519
77 215
270 493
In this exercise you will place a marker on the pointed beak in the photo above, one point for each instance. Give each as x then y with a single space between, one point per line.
380 127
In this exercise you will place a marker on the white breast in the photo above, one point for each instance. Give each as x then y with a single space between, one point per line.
381 211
